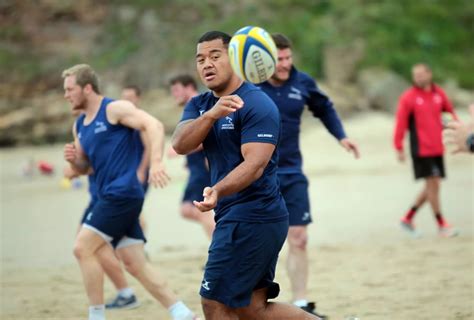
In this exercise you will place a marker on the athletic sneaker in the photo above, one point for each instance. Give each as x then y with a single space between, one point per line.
311 308
408 226
446 231
123 303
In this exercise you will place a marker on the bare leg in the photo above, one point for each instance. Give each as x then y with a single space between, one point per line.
421 198
135 263
85 248
261 309
206 219
112 267
214 310
297 263
433 186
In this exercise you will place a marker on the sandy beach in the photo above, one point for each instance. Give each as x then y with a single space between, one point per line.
361 263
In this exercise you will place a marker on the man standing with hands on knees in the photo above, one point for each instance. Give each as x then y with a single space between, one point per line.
239 127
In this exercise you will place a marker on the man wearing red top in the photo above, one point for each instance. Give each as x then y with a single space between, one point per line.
419 111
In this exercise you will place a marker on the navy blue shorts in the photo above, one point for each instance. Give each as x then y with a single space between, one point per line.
294 188
88 209
195 186
193 192
242 258
116 220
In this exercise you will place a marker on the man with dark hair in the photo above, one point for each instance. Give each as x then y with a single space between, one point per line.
185 79
419 110
183 88
132 93
239 127
291 90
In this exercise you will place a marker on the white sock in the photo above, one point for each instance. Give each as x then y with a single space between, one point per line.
97 312
300 303
126 292
179 311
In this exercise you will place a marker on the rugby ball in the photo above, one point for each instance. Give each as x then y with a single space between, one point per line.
253 54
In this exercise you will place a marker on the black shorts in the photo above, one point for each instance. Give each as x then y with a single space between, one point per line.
425 167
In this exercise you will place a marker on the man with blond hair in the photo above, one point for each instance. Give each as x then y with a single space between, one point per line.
105 141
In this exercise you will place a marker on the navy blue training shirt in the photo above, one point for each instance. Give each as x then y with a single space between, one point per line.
257 121
300 90
114 153
92 187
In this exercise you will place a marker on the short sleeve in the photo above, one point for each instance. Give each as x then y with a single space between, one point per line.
190 110
260 119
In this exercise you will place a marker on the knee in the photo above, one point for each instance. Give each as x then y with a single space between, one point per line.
188 211
210 307
251 312
133 267
80 251
432 185
298 239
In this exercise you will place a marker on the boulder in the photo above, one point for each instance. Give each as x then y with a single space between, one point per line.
347 98
381 87
461 98
340 62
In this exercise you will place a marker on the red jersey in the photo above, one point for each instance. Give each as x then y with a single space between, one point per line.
420 112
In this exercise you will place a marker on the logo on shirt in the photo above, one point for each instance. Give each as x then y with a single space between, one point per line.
265 135
100 127
201 112
229 125
437 99
419 100
295 94
89 216
205 285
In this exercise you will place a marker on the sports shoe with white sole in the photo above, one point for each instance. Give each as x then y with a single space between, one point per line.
447 232
123 303
409 227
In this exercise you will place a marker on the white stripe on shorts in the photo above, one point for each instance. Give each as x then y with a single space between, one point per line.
126 241
106 237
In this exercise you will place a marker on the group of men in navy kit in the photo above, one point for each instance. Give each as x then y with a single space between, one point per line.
248 188
239 128
257 189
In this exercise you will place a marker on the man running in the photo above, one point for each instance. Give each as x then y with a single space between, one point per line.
105 141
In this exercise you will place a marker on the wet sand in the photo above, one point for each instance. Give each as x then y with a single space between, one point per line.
361 263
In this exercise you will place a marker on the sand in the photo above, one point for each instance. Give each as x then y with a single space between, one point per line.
361 263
